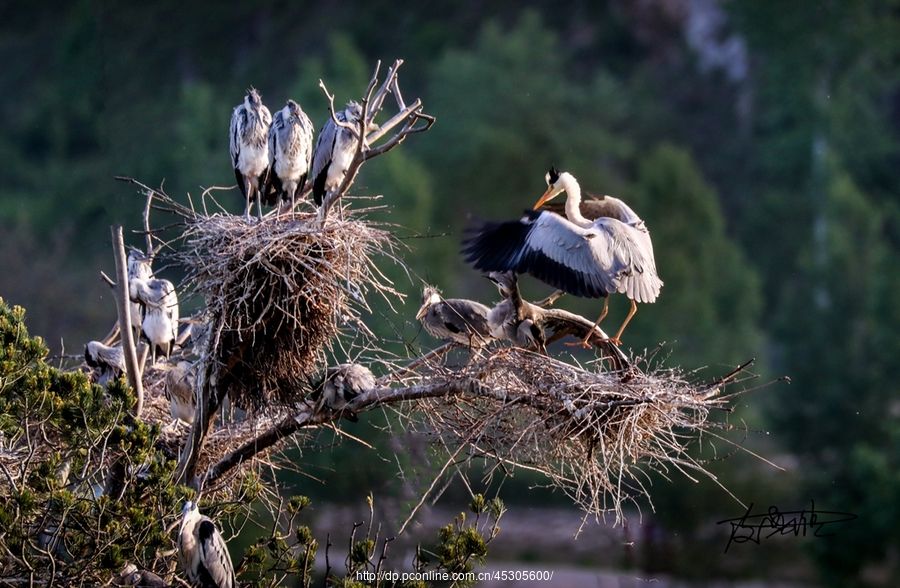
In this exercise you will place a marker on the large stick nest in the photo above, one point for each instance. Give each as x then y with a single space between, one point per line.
277 294
591 433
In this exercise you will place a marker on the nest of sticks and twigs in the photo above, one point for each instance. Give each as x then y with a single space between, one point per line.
592 434
277 294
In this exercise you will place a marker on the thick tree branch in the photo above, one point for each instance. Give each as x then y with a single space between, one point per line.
307 418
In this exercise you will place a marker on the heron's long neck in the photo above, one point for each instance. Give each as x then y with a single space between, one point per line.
573 202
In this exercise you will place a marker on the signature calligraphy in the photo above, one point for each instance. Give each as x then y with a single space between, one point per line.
753 528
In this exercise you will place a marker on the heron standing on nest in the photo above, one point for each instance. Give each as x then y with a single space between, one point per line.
109 361
138 267
589 258
202 551
290 155
160 324
335 149
249 148
454 319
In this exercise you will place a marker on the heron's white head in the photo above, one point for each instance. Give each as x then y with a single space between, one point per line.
430 295
293 108
556 185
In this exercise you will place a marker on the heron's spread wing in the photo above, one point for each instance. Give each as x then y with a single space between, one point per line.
545 245
322 159
215 562
628 252
609 256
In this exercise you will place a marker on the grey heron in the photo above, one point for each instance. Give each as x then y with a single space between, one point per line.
589 258
160 324
108 361
343 383
454 319
249 147
180 380
138 267
514 319
335 148
202 551
290 155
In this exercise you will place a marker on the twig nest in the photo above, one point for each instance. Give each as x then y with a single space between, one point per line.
277 293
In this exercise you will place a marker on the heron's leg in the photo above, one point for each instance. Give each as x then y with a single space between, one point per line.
248 193
257 195
631 313
584 342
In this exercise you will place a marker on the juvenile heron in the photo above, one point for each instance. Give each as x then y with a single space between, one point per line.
335 149
160 324
138 267
180 381
202 551
514 319
290 155
249 147
454 319
589 258
108 361
343 383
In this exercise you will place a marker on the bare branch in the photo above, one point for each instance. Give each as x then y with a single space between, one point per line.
305 419
123 305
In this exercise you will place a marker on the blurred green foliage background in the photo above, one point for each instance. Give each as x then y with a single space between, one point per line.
759 140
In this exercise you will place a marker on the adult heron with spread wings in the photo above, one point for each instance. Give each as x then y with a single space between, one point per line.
588 257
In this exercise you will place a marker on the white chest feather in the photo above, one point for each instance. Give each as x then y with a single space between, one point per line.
158 327
253 160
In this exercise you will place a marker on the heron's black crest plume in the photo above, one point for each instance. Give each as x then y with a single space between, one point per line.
552 175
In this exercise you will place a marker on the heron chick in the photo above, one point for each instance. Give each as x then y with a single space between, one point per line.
180 380
514 319
454 319
108 361
290 155
343 383
249 148
160 324
202 551
335 149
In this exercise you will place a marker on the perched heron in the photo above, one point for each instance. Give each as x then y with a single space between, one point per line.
335 149
202 551
160 302
249 148
454 319
514 319
138 267
180 380
343 383
109 361
590 258
290 155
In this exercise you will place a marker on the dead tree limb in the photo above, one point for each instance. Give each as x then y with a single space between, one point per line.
123 305
372 104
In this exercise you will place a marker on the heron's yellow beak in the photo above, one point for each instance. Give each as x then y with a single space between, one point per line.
548 195
422 312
